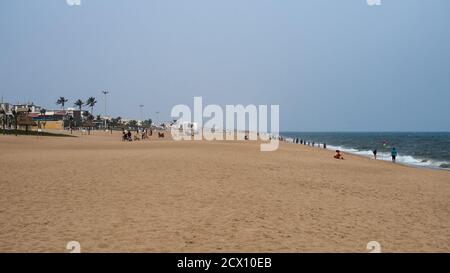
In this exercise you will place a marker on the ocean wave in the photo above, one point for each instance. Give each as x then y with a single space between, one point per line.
404 159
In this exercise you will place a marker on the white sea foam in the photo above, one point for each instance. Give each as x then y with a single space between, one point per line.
404 159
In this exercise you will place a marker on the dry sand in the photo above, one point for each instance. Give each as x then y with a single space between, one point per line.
166 196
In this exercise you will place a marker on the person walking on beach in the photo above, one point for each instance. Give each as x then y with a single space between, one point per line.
394 154
375 153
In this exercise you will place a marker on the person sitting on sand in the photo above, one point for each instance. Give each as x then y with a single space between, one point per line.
338 155
394 154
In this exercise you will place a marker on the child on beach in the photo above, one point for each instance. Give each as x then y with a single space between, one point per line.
375 153
394 154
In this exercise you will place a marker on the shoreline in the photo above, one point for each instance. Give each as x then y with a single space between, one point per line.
388 160
65 133
384 155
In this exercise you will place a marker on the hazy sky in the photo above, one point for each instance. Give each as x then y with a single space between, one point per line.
330 65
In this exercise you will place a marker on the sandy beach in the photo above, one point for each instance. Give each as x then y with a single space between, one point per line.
198 196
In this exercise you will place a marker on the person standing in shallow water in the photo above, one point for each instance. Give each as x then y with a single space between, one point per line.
374 153
394 154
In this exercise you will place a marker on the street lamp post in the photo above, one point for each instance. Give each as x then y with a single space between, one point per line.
105 93
157 117
141 106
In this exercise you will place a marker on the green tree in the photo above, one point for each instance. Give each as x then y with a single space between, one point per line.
91 103
115 122
88 116
132 124
62 101
147 123
79 103
4 119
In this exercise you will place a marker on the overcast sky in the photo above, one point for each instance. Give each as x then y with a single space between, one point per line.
330 65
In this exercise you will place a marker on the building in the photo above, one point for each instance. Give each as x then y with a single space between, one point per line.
30 107
45 119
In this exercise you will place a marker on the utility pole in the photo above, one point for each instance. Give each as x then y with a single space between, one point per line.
157 116
105 93
141 106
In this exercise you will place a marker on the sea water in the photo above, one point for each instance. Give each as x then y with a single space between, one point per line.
430 149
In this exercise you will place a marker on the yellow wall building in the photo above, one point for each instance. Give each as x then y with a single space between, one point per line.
53 125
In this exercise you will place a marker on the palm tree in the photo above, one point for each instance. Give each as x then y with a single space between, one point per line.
91 102
79 103
62 101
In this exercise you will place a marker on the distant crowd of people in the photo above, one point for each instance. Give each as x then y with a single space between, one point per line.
306 143
140 134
